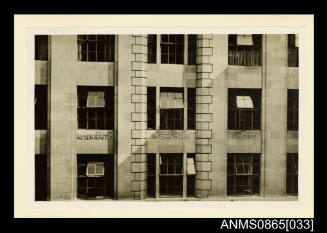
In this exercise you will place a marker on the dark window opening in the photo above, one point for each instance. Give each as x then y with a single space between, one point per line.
152 48
292 174
244 109
41 107
293 51
95 107
243 173
96 48
171 175
41 177
41 48
172 49
171 108
191 108
244 50
95 176
292 109
151 107
190 192
191 49
151 175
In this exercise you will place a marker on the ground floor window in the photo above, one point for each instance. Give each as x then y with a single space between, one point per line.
95 176
292 174
173 170
243 174
41 177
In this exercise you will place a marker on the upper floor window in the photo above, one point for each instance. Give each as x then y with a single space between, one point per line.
244 50
41 106
41 47
172 49
191 108
171 108
191 49
96 48
152 48
244 109
292 109
95 107
293 50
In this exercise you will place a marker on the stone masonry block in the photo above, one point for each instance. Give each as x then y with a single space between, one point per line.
139 167
138 149
139 195
204 68
205 36
200 125
204 82
138 98
141 90
138 176
138 185
202 157
141 141
141 57
141 125
137 65
139 116
204 51
140 107
138 81
141 73
203 134
203 166
203 149
139 48
202 175
203 43
207 117
203 184
202 193
203 59
204 99
140 157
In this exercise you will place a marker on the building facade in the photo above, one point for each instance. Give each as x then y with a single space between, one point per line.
166 116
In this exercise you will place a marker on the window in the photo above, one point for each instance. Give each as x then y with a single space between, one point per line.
41 177
151 107
191 49
244 50
191 108
151 175
292 109
243 172
41 48
172 49
96 48
41 106
171 175
95 176
152 48
190 163
292 174
293 50
171 108
95 107
244 109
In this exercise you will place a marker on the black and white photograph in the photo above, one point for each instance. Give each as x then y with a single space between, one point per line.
166 116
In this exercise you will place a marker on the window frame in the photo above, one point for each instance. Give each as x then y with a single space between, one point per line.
172 113
102 117
191 49
244 118
103 44
40 107
172 54
41 53
245 55
233 177
292 109
293 51
96 182
152 48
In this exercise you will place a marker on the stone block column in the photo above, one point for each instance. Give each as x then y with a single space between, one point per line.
204 84
139 114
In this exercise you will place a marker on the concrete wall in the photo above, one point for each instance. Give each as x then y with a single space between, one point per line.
276 115
63 107
124 116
